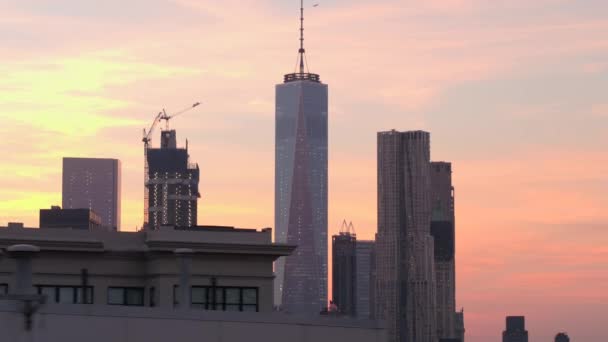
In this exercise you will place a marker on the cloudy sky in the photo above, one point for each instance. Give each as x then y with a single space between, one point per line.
514 93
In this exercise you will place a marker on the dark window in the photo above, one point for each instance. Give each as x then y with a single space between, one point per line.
130 296
3 289
66 294
221 298
152 296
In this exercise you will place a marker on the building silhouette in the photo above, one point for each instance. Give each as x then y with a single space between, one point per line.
301 189
344 271
405 275
459 329
93 183
172 185
516 330
562 337
365 268
442 230
83 219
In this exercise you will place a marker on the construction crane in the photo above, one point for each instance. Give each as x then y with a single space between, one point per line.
167 117
147 139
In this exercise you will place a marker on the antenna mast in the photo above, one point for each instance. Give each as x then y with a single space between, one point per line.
302 51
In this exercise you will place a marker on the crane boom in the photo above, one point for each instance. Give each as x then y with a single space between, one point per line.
167 117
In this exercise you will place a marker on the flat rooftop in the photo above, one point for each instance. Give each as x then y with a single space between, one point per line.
220 239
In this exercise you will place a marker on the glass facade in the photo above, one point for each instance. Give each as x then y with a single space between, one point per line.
301 194
93 183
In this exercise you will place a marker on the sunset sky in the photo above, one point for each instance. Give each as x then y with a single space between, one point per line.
514 93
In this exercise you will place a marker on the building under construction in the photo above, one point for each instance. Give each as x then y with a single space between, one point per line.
171 185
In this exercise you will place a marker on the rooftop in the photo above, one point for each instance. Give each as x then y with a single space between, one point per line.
202 239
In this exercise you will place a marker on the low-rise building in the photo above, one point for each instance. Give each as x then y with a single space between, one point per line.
94 285
231 268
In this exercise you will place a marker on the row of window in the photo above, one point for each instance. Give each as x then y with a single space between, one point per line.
220 298
67 294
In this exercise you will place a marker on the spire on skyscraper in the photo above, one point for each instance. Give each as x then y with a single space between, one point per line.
302 73
302 52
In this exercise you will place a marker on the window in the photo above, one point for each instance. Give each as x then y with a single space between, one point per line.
66 294
152 296
130 296
222 298
3 289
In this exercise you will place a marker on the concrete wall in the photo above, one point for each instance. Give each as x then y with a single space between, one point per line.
92 323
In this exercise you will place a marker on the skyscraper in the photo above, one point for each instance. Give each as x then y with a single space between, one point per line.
172 184
459 329
442 230
301 188
516 330
344 270
405 284
364 287
93 183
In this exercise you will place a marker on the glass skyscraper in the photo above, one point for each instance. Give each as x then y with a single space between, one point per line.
300 212
93 183
301 192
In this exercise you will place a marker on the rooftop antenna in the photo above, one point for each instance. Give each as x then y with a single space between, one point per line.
302 51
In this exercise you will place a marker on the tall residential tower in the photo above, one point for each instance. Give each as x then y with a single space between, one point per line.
405 274
301 188
93 183
442 229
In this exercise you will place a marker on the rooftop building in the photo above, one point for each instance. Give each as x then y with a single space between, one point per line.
69 218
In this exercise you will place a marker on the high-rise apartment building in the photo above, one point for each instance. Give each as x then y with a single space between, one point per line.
365 269
516 330
301 189
93 183
344 271
405 275
442 230
172 185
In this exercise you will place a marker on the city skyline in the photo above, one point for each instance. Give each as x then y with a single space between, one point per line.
502 99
